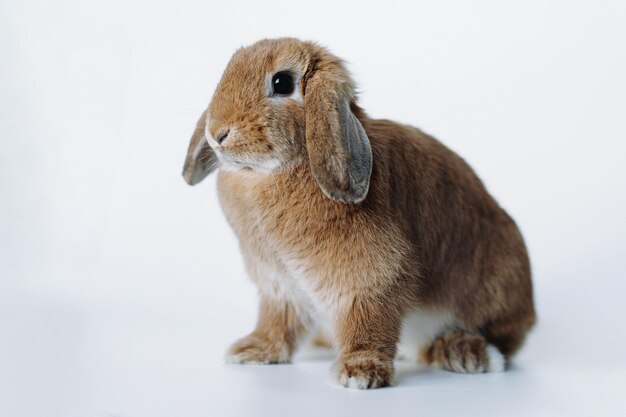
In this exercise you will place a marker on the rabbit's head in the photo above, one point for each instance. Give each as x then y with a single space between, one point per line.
281 102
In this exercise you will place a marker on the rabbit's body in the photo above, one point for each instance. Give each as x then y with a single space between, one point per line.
421 252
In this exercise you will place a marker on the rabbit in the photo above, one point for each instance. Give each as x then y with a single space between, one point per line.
368 230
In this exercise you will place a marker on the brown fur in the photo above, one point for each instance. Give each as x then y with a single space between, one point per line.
458 351
425 235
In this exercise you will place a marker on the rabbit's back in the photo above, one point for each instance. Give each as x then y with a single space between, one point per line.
472 260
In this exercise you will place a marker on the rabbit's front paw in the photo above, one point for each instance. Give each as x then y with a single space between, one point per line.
253 349
364 370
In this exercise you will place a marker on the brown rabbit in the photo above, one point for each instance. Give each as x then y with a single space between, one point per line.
367 229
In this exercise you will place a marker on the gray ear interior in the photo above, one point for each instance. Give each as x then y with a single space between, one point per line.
339 149
359 153
201 159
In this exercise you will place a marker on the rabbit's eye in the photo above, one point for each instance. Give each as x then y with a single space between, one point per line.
282 83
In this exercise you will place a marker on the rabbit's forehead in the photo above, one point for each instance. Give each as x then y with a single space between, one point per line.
246 78
272 52
261 59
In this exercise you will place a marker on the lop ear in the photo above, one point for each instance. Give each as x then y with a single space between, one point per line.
201 160
338 147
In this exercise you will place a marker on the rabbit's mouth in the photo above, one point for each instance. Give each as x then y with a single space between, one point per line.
231 163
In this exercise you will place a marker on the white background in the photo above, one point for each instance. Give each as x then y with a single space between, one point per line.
121 287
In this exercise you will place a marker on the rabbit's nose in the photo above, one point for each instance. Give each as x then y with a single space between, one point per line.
221 136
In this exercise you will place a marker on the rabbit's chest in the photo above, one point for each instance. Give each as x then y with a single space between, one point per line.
319 251
258 218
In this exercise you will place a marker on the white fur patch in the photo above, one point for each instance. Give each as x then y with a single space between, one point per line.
323 307
419 328
281 285
354 382
497 363
227 166
266 165
262 166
